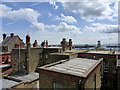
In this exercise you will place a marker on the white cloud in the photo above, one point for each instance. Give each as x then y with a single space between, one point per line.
90 11
38 26
61 27
52 2
25 13
105 28
68 19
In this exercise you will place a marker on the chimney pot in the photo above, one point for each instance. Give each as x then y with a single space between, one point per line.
63 44
4 36
27 39
12 34
70 44
46 43
35 43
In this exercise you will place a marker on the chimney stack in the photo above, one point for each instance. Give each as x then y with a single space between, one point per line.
27 39
70 44
46 43
12 35
63 44
35 43
4 36
43 44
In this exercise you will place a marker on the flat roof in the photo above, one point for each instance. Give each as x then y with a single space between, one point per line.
77 66
8 83
103 52
27 78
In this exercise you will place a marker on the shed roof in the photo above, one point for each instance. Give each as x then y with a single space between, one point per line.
77 66
6 83
27 78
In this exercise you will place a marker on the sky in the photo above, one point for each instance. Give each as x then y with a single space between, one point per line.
83 22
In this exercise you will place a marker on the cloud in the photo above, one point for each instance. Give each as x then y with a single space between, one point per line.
104 28
68 19
52 2
91 11
61 27
25 13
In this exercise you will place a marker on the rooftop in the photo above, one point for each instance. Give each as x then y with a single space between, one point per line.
78 66
6 83
27 78
104 52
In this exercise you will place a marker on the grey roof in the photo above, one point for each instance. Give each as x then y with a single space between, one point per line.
8 83
77 66
28 78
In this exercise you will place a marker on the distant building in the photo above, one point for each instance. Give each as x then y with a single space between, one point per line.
11 42
77 73
99 46
109 76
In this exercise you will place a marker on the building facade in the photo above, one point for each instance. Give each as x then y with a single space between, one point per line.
109 76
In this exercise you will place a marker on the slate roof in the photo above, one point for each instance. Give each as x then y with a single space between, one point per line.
8 40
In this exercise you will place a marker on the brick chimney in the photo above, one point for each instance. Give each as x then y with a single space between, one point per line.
46 43
4 36
43 44
63 44
12 35
28 50
35 43
70 44
27 39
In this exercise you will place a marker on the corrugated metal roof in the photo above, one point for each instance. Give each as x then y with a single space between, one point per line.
74 66
28 78
8 83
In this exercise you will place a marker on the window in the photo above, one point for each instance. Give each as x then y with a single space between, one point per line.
9 59
15 58
15 67
106 66
57 85
46 56
94 82
3 60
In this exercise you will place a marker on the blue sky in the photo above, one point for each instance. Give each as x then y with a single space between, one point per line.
85 23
